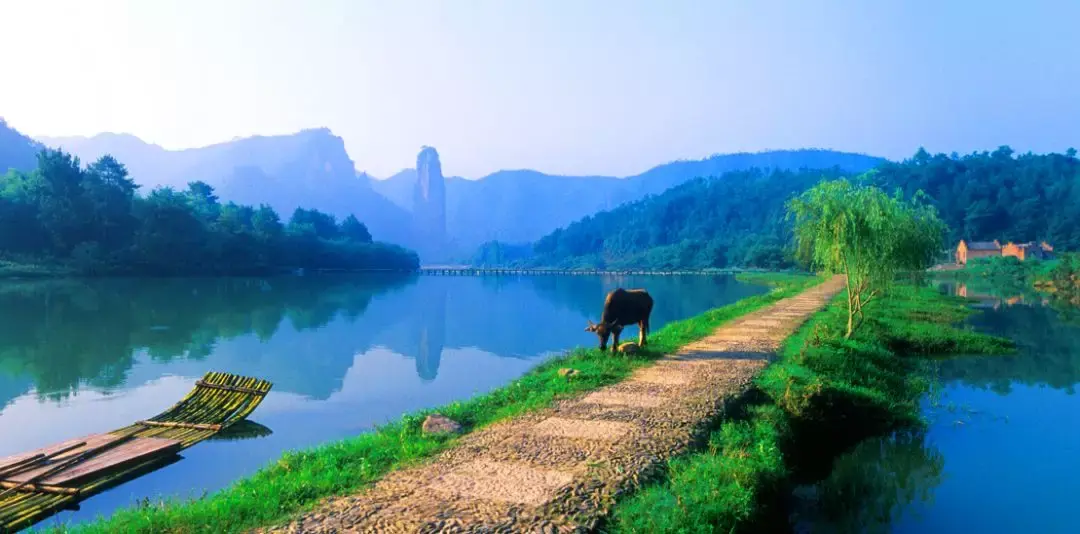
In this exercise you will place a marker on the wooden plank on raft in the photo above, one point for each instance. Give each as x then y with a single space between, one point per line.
136 450
88 442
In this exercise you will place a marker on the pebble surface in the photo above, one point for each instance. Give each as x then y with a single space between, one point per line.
561 469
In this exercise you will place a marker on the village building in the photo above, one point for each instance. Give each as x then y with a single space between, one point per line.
992 249
1024 251
977 249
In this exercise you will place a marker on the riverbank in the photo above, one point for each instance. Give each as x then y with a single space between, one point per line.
822 396
1056 280
299 480
1033 273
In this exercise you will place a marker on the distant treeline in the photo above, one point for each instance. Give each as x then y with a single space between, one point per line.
739 219
90 220
736 220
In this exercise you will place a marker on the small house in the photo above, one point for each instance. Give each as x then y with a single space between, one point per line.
976 249
1025 251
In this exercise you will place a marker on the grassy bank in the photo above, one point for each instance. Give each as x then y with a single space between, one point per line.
822 396
1008 270
771 279
300 479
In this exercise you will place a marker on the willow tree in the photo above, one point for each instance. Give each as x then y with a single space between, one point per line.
865 234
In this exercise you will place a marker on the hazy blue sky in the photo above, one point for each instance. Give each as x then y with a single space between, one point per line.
576 86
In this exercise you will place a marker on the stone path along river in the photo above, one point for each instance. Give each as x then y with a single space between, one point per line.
561 469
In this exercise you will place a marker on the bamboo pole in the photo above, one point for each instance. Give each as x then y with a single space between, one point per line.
170 424
43 488
35 460
241 389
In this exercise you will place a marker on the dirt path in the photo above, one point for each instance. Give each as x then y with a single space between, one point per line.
561 469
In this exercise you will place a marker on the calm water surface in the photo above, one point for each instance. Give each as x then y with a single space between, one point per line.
1002 451
345 353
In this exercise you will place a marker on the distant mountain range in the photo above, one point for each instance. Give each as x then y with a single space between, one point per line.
309 169
312 169
523 205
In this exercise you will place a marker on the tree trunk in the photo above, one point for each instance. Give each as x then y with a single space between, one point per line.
850 321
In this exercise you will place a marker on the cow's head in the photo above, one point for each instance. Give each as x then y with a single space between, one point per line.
603 330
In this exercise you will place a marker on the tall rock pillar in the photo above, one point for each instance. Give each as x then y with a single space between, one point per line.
429 199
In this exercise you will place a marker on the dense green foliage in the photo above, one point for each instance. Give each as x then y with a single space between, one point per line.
1065 274
735 220
996 195
867 236
825 394
299 480
90 220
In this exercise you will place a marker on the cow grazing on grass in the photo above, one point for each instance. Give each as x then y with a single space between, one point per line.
623 307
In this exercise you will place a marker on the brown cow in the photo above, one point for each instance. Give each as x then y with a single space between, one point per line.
623 307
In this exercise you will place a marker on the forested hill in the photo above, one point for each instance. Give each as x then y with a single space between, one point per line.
738 219
997 195
17 151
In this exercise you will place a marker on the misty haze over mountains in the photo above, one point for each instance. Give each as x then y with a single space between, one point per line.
312 169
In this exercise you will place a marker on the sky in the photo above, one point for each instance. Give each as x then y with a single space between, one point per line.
608 87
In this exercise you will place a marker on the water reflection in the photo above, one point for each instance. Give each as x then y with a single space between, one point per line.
245 429
995 297
871 486
62 335
1045 329
999 452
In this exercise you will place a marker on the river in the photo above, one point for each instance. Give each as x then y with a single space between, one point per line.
345 353
1001 452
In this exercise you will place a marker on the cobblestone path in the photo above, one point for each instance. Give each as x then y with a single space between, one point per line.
561 469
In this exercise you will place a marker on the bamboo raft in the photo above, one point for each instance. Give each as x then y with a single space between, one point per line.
39 483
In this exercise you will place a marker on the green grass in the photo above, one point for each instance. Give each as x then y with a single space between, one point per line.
824 394
1003 269
298 480
771 279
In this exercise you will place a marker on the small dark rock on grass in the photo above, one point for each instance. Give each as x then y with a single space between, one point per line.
440 424
567 373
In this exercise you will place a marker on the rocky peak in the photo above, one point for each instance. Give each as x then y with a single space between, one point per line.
429 196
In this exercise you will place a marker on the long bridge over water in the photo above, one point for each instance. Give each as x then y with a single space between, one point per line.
473 271
492 271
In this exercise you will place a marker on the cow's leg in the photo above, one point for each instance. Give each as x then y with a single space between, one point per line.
615 340
641 333
644 332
